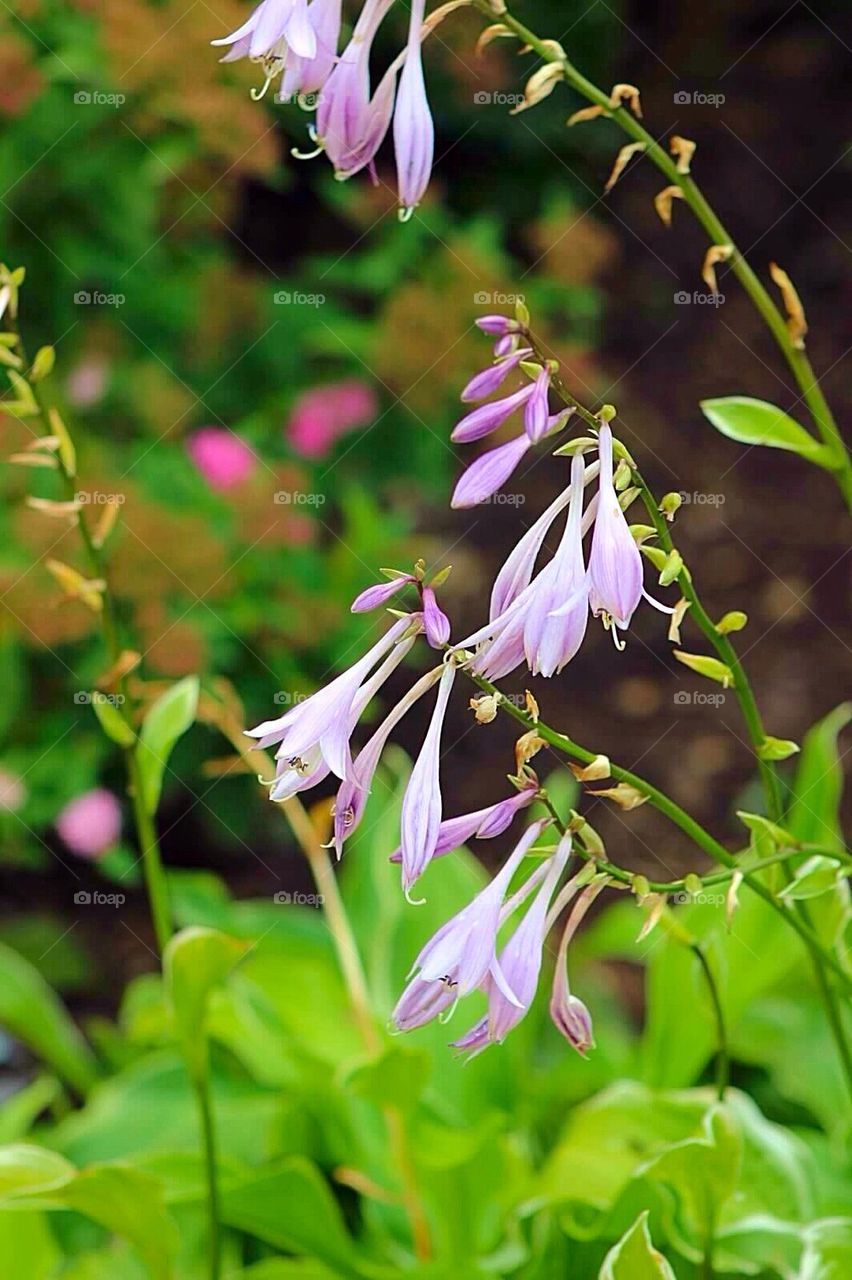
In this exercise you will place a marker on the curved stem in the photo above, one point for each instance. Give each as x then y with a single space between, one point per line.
722 1064
208 1134
797 360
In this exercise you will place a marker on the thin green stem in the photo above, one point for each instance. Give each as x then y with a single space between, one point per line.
208 1136
719 1013
152 863
795 356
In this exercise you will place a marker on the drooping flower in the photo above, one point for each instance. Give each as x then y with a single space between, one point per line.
270 24
482 824
615 564
520 960
319 728
536 409
304 75
569 1013
420 822
488 417
457 959
352 794
488 380
90 823
489 473
379 593
324 413
436 624
223 459
413 130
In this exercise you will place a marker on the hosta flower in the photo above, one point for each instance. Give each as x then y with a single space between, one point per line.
413 130
379 593
615 565
315 733
570 1016
436 624
351 124
489 473
352 794
536 410
482 824
488 380
520 961
488 417
306 75
273 26
457 959
420 823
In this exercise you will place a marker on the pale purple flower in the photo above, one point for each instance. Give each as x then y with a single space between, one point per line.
537 410
90 823
488 380
272 22
489 472
556 620
457 959
482 824
323 721
223 459
420 822
520 960
569 1014
506 345
413 130
488 417
436 624
350 124
303 75
379 593
352 794
615 564
497 325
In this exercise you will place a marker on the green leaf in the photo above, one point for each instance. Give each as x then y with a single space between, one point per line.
704 665
814 810
634 1256
30 1010
756 422
293 1209
196 961
768 835
26 1169
396 1077
813 878
20 1109
828 1250
112 721
777 748
169 717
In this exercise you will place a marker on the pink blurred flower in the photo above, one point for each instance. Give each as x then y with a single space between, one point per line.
222 458
13 793
87 382
90 823
326 412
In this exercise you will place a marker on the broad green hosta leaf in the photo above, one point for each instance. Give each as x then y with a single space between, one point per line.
169 717
287 1269
28 1247
195 962
635 1258
828 1250
813 814
120 1199
30 1011
757 422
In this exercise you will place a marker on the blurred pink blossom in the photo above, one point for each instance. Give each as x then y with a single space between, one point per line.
90 823
326 412
222 457
13 793
87 382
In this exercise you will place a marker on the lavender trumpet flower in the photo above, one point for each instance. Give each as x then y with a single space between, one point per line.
485 383
537 410
436 624
320 727
520 960
413 130
275 25
422 805
615 564
457 959
481 824
488 417
308 75
379 593
489 473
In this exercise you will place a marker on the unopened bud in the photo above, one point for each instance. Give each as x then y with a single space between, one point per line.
712 668
669 504
733 621
693 884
